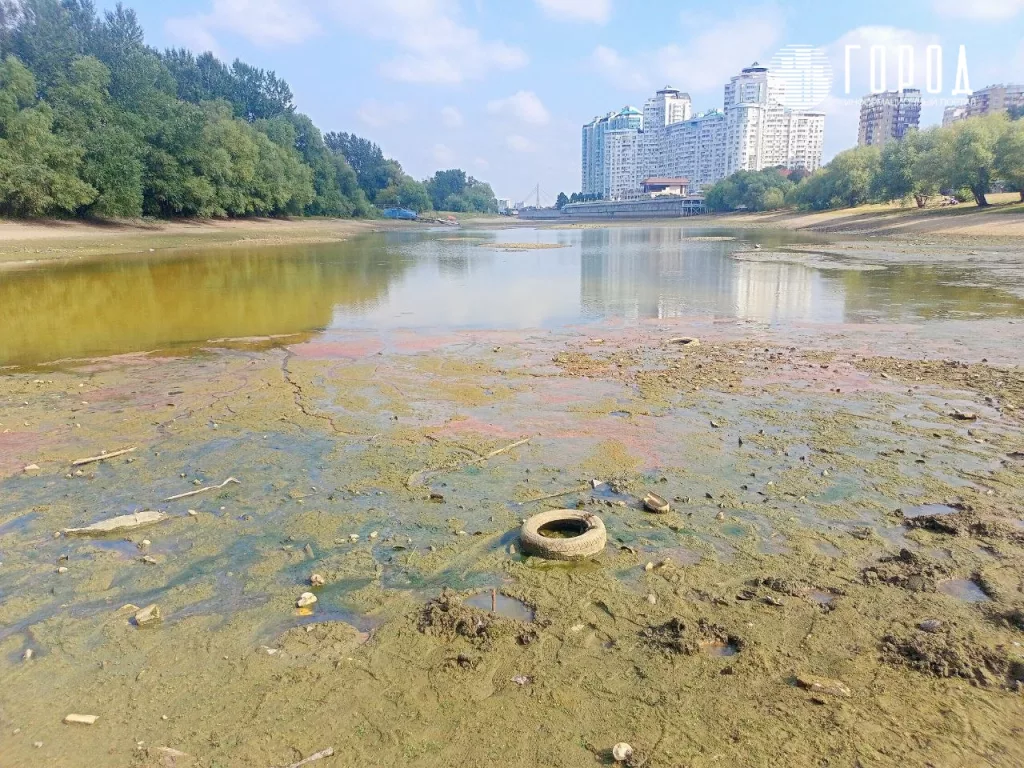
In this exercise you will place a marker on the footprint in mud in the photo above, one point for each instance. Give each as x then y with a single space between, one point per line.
945 654
448 616
908 570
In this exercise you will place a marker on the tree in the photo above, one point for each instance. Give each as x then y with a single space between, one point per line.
901 173
753 190
562 201
973 156
446 186
1009 156
371 167
404 193
1015 112
38 169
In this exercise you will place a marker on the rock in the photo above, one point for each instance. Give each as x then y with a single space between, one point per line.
621 752
192 513
437 498
316 580
652 599
654 503
686 341
117 524
959 415
74 719
28 654
309 551
63 569
827 685
305 600
31 468
595 483
374 534
147 560
511 549
720 515
649 567
715 424
144 544
522 679
37 744
353 537
930 625
148 616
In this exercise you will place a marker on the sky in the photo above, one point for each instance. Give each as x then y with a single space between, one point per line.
501 89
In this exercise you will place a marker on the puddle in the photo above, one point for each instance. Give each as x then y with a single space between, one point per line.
820 597
503 605
920 510
719 649
621 414
963 589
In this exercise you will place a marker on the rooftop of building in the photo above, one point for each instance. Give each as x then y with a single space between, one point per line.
665 181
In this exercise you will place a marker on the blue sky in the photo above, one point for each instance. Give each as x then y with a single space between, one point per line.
502 88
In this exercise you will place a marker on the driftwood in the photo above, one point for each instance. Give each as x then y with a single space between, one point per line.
102 457
329 752
416 477
117 524
197 491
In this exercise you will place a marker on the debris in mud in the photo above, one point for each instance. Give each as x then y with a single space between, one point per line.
959 415
148 616
622 752
27 655
196 492
827 685
655 503
305 600
965 521
448 617
329 752
930 625
74 719
677 637
118 524
522 679
907 570
316 580
685 341
945 654
30 468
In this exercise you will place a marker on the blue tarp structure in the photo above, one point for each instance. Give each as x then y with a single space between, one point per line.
398 213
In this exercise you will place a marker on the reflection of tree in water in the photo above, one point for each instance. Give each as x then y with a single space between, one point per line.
923 292
123 304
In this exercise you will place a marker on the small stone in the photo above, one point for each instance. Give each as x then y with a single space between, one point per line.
621 752
522 679
511 549
827 685
720 515
374 534
353 537
28 654
930 625
74 719
649 567
316 580
305 600
144 544
652 599
438 498
715 424
63 569
309 551
31 468
148 615
37 744
192 513
147 560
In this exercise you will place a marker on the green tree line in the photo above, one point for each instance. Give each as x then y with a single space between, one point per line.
95 123
964 160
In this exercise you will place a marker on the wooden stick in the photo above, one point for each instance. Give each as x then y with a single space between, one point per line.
313 758
102 456
509 447
417 476
494 600
577 489
203 490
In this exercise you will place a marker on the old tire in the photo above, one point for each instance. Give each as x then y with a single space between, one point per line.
587 544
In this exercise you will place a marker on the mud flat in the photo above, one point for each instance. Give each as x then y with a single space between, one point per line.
839 577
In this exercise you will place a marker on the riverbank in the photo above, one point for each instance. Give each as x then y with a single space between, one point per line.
26 241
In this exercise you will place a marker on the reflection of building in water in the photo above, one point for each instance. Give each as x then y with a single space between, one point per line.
658 273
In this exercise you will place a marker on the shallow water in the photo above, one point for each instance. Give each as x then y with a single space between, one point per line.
441 280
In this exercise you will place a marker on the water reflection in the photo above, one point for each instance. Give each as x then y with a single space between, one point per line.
456 279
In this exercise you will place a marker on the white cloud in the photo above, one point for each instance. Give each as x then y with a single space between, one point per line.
433 46
524 106
716 51
619 71
519 143
262 22
985 10
451 117
480 163
379 115
596 11
443 155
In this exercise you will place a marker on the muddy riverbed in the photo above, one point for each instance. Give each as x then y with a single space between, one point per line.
839 581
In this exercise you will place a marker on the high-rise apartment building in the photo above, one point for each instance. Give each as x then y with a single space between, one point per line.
995 98
593 155
667 107
953 114
622 162
888 116
753 131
